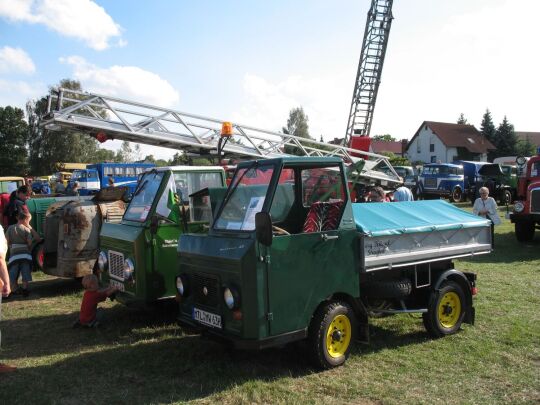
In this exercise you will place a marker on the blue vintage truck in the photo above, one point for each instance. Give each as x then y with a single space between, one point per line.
454 181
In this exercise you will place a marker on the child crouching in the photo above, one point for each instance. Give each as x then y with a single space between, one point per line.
89 315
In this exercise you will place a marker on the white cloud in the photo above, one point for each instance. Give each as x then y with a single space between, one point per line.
81 19
268 104
15 60
130 82
17 93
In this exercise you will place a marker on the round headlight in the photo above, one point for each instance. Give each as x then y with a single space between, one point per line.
180 285
521 160
231 298
129 269
518 206
102 261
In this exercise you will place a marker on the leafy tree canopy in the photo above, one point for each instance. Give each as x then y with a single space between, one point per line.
13 137
297 125
462 120
384 138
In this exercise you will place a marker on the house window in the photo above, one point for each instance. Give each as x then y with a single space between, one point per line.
434 159
432 147
418 146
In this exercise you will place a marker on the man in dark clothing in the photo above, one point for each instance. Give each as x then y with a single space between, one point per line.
17 203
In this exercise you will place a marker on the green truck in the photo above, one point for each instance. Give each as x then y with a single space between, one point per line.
288 258
138 254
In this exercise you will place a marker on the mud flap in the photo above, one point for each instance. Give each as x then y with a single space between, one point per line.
363 332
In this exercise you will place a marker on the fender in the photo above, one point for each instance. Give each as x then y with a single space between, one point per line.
460 278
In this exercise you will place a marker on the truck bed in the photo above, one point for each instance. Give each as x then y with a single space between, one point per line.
407 233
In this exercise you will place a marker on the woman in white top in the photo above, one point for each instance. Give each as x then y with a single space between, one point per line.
486 207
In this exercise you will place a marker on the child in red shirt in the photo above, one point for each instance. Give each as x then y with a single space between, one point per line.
92 296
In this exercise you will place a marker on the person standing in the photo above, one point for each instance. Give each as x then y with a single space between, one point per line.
485 206
20 238
74 191
5 288
17 203
403 194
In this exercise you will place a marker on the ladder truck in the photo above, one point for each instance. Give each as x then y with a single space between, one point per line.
106 118
368 77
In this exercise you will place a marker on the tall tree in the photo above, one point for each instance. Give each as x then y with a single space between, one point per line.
462 120
13 137
297 125
487 128
505 139
47 147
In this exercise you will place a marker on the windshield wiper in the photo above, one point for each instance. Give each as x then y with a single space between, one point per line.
140 188
235 186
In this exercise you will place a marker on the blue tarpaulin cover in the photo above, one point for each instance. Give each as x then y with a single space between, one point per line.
381 219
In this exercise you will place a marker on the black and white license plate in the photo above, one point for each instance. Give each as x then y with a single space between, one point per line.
207 318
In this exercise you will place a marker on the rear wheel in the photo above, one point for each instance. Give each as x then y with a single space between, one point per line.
38 256
524 231
332 332
446 310
456 195
506 197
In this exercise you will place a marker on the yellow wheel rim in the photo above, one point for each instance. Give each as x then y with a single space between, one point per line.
338 336
449 310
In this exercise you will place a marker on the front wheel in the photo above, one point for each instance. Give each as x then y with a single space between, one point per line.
506 197
446 310
456 195
332 331
524 231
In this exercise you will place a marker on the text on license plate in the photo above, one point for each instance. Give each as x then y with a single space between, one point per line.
207 318
117 284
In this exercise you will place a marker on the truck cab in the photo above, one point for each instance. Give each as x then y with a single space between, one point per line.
88 180
138 255
442 180
526 214
288 258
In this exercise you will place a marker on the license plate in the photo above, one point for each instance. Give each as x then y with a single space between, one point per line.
117 284
207 318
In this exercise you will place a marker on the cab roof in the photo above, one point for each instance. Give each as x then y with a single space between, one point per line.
186 168
11 178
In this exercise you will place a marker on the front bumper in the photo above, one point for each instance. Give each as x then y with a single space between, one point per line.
240 343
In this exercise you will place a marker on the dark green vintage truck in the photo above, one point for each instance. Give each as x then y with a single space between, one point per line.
289 257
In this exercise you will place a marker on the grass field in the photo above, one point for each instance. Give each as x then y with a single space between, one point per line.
143 357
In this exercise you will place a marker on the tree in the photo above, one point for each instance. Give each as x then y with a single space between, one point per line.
384 138
13 138
396 160
104 155
505 139
126 152
487 128
525 148
297 125
462 120
47 148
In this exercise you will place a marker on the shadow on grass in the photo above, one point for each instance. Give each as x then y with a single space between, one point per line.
141 357
509 250
50 287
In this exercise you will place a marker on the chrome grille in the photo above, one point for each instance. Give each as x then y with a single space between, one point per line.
116 265
535 200
430 182
200 285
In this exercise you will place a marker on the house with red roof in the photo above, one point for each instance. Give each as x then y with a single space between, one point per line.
446 142
398 148
532 137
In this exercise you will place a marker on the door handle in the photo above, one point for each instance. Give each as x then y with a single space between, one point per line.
325 237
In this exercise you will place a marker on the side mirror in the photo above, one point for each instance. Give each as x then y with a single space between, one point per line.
154 223
263 228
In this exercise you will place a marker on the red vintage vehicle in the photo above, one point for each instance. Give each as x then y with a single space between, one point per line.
526 215
7 186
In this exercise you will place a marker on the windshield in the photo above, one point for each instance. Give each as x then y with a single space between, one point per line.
8 186
78 174
144 196
189 182
249 188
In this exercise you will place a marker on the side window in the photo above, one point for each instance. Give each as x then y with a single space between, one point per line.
321 185
108 171
433 159
119 171
130 171
432 147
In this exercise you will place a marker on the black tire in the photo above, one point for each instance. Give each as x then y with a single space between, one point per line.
457 195
506 197
334 325
446 310
524 231
389 289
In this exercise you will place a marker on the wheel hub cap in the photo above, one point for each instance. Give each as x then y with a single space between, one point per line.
338 336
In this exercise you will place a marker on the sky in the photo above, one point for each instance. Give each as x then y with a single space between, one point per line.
251 62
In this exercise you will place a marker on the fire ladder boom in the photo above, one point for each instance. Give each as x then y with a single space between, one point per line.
104 117
370 67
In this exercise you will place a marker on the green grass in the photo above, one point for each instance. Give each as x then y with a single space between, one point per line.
143 357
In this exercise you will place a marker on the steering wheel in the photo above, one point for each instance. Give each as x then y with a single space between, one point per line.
279 231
